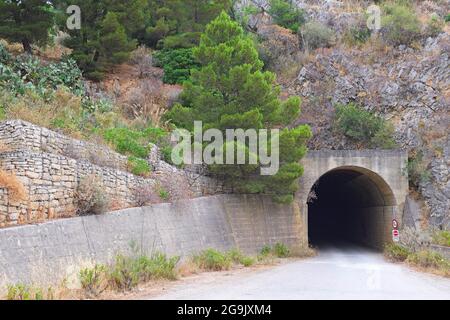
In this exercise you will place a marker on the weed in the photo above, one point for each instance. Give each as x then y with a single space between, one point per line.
94 280
395 252
212 260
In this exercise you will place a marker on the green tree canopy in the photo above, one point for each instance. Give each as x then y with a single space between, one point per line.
27 22
230 90
107 31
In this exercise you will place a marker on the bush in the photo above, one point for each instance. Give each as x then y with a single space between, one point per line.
238 257
316 35
212 260
124 274
163 193
434 27
43 79
286 14
395 252
138 166
281 250
430 260
5 56
364 127
177 64
400 24
27 292
90 197
16 190
356 35
417 169
441 238
94 280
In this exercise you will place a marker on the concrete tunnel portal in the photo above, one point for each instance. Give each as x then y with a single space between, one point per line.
350 204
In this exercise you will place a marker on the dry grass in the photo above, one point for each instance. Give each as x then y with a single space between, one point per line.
16 190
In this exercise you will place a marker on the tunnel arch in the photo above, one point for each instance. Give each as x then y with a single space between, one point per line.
350 203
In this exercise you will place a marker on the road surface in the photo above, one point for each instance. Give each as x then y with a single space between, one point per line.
351 273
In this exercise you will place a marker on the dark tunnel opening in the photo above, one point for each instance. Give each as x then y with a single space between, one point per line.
348 206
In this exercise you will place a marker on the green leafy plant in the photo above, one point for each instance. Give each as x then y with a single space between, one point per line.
163 193
237 257
364 127
94 280
286 14
212 260
177 64
317 35
400 24
430 260
442 238
417 169
281 250
27 292
138 166
395 252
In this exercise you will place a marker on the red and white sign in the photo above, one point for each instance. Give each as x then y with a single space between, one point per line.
395 235
395 224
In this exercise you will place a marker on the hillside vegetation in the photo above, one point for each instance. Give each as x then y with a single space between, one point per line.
135 71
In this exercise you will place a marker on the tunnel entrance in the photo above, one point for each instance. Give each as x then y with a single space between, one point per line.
350 205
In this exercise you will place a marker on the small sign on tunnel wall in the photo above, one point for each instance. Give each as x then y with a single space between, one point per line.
395 235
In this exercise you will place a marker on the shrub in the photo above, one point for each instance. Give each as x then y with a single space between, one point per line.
177 64
5 56
27 292
157 267
163 193
144 195
16 190
434 27
430 260
90 197
447 17
281 250
127 272
212 260
286 14
364 127
400 24
356 35
124 273
94 280
418 172
138 166
238 257
316 35
441 238
395 252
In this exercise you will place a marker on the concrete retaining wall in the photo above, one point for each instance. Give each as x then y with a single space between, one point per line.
56 250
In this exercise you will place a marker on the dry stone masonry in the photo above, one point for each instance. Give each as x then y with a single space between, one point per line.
51 166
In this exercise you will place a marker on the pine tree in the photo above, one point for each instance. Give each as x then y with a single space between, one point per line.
27 22
102 23
114 46
232 91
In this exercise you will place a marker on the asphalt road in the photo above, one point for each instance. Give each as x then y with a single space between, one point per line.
350 273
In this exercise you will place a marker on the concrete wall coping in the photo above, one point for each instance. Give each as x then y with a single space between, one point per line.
355 153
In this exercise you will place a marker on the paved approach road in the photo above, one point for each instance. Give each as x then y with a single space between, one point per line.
334 274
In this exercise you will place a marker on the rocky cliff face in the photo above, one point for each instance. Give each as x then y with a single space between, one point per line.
408 86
